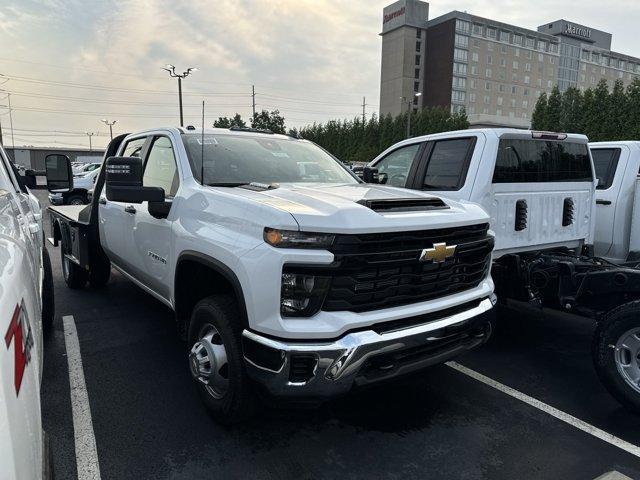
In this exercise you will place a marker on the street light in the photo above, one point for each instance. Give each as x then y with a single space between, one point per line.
110 124
409 101
90 134
172 72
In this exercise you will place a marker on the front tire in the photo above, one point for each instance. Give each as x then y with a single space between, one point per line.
216 360
616 354
76 200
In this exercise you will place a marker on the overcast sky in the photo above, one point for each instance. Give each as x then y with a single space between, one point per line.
71 63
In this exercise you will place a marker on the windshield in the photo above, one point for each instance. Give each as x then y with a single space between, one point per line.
241 159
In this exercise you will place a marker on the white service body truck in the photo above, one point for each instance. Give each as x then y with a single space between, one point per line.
539 189
26 312
285 271
617 166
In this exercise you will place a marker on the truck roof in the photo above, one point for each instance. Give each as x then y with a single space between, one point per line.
498 132
629 143
213 131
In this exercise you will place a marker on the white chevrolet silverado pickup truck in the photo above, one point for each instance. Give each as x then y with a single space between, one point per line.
285 271
26 312
539 189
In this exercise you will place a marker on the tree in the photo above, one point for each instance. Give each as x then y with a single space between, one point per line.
554 111
539 116
616 113
571 117
226 122
269 121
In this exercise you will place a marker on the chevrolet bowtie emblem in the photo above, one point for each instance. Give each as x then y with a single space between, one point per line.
439 253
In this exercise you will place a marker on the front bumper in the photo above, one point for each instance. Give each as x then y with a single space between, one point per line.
56 199
323 369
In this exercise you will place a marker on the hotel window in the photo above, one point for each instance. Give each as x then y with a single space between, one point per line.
524 115
515 64
504 36
621 64
474 56
472 83
539 82
458 96
472 109
603 71
526 92
542 45
463 26
501 88
476 43
487 73
529 54
527 67
418 33
552 60
499 101
553 47
585 55
416 86
504 49
491 32
460 68
514 77
462 41
583 67
477 29
516 51
490 47
514 90
513 103
459 82
485 110
489 59
474 70
517 39
487 85
417 59
582 77
460 55
472 97
503 62
530 42
417 73
538 93
549 84
487 99
540 57
418 44
620 74
501 76
499 112
512 114
527 80
550 72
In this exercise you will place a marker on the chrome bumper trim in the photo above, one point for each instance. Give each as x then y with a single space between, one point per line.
340 361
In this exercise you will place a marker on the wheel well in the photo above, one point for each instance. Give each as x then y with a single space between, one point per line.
197 279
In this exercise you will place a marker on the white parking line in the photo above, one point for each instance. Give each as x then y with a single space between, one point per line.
559 414
85 441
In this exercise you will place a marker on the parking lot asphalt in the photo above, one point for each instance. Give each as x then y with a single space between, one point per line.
148 421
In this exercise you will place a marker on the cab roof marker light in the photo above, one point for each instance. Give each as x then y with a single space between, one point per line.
549 135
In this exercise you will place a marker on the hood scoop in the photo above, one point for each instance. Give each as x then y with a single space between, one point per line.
404 204
260 187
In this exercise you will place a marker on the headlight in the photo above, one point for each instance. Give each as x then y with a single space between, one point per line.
294 239
301 294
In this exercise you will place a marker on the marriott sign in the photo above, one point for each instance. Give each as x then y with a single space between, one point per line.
577 31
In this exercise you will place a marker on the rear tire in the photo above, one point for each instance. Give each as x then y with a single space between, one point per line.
76 200
48 299
74 276
616 354
219 370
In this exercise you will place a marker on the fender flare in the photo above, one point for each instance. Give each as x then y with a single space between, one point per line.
220 268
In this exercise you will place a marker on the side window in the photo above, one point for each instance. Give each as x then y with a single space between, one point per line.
134 147
160 169
447 165
395 166
605 162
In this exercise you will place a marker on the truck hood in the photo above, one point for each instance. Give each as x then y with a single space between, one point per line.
334 208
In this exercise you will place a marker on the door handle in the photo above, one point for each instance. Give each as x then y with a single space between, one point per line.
130 209
603 202
102 201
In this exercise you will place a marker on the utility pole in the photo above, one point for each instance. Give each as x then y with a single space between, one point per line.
13 145
1 132
172 73
364 104
90 134
110 124
253 97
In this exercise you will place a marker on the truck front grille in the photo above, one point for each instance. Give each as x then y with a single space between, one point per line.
373 271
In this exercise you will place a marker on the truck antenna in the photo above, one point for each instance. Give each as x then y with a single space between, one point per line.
202 148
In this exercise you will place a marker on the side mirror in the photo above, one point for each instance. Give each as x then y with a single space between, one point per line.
370 175
123 182
59 175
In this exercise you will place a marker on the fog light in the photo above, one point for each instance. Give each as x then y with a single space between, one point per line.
301 295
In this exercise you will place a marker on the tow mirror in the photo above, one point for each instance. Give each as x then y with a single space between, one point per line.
123 181
59 174
370 175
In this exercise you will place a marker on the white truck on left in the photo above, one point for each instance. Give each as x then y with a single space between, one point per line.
26 313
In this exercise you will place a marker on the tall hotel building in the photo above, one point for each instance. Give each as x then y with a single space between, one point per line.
492 70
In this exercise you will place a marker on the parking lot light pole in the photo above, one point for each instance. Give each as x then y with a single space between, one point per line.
90 134
172 72
110 124
409 101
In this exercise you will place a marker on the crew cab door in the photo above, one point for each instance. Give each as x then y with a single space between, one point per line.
150 252
115 221
610 164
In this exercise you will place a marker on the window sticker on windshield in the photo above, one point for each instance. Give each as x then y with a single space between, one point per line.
207 141
280 154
